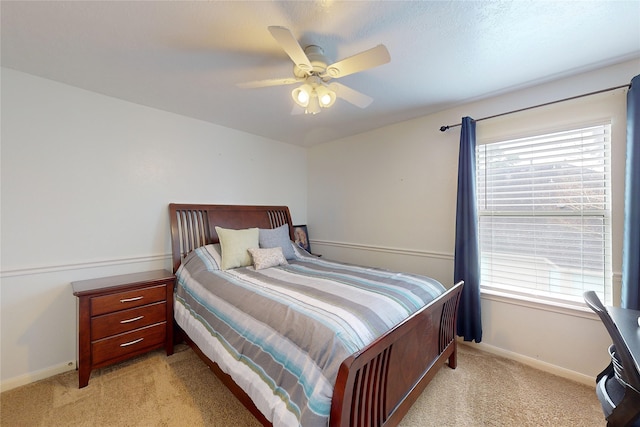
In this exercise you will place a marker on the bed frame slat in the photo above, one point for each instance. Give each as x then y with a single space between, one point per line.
448 328
369 389
192 228
277 218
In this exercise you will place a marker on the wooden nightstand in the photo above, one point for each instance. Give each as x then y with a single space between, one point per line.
123 316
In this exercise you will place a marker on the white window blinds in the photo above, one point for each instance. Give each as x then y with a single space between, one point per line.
544 214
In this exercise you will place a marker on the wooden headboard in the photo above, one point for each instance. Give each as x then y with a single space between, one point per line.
193 226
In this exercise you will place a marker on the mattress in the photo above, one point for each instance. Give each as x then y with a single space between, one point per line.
282 332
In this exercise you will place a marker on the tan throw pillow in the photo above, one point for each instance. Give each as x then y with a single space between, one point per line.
234 245
268 257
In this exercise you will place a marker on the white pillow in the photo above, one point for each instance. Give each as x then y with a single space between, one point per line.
267 257
234 245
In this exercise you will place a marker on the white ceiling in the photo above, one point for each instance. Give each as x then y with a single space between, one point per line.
186 57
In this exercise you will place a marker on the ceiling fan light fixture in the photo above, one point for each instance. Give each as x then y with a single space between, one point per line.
326 97
302 94
325 100
314 106
303 97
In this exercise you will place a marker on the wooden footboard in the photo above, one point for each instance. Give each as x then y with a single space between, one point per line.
378 385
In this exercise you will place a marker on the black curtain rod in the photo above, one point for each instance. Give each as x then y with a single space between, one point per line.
444 128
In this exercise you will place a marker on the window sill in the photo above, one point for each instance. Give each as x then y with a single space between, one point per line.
570 309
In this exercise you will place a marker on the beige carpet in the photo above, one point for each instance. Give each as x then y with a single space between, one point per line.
155 390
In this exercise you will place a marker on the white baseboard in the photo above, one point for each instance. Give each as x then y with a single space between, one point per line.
526 360
535 363
31 377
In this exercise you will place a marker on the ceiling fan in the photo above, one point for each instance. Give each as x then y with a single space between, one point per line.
312 69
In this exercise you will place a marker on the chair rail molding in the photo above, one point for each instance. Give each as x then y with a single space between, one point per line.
84 265
384 249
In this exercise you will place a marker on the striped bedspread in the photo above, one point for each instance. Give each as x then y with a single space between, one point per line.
282 332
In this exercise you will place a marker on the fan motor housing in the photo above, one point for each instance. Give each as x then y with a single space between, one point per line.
316 58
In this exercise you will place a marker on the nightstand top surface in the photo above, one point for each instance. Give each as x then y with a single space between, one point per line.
92 285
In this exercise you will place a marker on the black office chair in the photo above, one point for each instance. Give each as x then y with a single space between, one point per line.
618 386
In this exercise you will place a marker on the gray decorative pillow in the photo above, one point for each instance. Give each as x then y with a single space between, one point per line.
277 238
265 258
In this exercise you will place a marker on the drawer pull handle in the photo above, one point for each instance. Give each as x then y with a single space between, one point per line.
131 299
131 320
131 342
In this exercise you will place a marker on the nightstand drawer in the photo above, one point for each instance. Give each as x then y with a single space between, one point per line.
127 299
130 342
127 320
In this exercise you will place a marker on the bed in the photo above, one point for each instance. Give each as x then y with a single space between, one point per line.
373 382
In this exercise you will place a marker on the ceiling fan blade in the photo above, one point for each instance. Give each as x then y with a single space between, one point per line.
291 46
362 61
268 82
351 95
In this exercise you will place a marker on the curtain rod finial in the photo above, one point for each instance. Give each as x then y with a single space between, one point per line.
443 128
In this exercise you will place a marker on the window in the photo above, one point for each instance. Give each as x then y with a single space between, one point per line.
545 215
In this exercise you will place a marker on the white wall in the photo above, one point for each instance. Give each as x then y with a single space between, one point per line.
387 198
86 180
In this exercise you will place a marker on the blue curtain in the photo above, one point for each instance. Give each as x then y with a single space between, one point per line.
467 251
631 245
